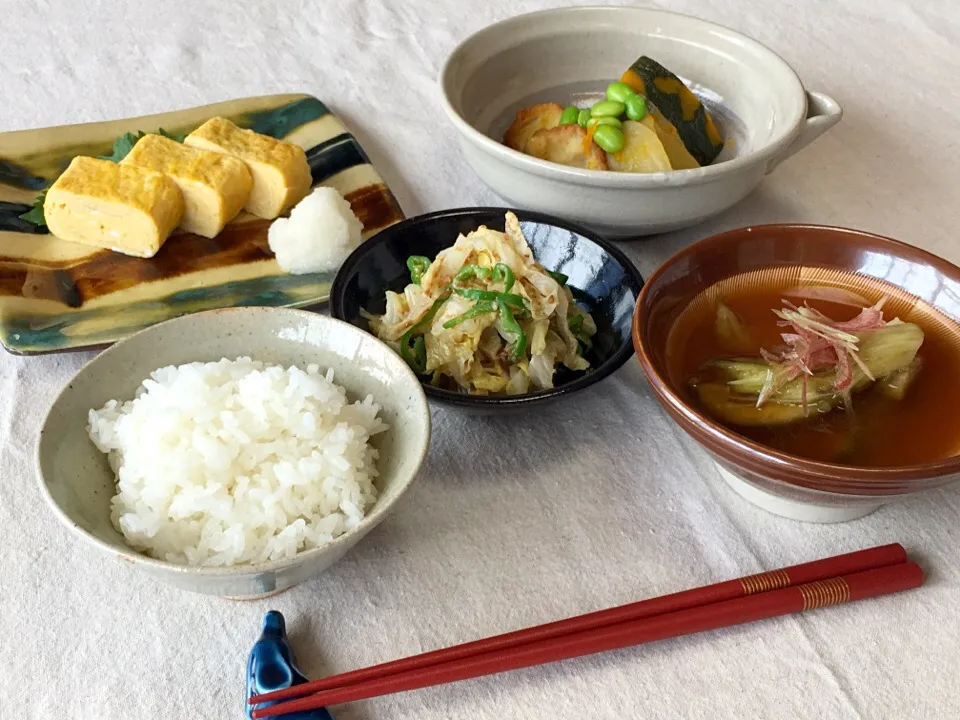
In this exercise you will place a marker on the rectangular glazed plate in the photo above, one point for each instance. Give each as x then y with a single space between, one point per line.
57 295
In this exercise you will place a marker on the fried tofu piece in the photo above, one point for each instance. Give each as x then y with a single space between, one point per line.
215 187
567 145
118 207
281 173
528 121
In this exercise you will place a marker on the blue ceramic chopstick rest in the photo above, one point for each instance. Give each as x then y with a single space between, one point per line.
272 667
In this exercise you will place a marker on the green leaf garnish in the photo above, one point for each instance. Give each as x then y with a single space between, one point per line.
35 214
121 148
124 144
176 137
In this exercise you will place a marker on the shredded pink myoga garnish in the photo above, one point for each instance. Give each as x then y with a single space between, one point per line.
814 343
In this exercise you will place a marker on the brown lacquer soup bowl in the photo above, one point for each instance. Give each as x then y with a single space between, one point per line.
859 268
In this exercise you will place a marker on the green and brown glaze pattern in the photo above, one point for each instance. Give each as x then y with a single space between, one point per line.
57 296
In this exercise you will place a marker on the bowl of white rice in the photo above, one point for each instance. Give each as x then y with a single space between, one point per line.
234 452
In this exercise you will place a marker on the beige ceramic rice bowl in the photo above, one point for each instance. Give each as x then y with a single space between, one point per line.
79 484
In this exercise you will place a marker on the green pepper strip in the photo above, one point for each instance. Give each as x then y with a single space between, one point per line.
468 272
416 355
411 354
475 294
503 273
481 308
505 301
417 265
559 277
575 323
420 354
500 273
515 301
518 347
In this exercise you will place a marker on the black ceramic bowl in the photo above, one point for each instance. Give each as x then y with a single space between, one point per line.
602 278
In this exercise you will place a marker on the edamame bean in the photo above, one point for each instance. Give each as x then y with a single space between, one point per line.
619 92
607 108
570 115
609 138
583 118
612 121
636 107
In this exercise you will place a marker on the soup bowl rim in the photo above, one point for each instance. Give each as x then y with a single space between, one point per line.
757 457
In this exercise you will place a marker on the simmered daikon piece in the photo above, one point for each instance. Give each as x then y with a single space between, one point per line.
642 151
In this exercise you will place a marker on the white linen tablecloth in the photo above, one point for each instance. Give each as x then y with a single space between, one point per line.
517 520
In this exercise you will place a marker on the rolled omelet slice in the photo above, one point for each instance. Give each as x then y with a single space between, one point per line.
215 187
123 208
281 173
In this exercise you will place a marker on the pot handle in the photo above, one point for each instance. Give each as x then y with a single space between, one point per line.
823 113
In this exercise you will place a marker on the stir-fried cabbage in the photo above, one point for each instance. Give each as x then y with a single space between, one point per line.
486 318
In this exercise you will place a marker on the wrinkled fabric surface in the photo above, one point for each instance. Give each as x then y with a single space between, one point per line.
517 520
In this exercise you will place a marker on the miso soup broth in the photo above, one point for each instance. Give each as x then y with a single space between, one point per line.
877 424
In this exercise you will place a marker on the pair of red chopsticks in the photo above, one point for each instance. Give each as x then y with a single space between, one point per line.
831 581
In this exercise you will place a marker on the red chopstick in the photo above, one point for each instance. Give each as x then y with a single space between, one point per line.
832 591
795 575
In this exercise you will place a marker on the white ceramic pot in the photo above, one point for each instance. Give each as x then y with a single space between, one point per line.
573 53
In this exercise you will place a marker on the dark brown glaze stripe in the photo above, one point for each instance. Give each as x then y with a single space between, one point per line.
375 206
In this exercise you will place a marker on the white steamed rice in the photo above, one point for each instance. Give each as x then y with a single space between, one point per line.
238 462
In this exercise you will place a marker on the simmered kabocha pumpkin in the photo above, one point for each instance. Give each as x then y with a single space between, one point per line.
677 103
